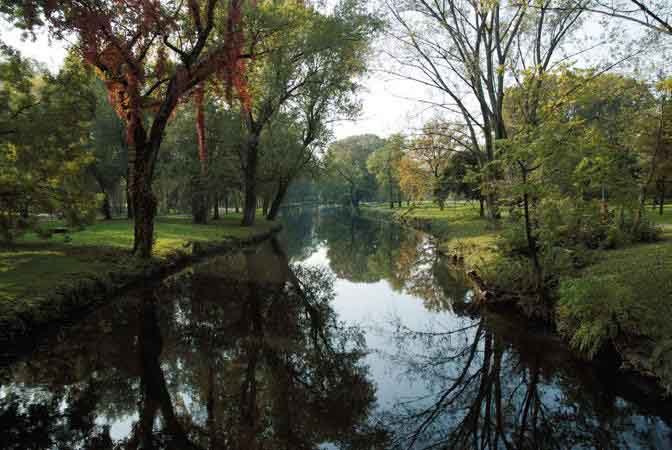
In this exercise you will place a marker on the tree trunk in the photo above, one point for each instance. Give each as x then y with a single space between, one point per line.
199 204
129 201
492 207
144 208
200 199
250 206
481 211
640 211
215 206
144 201
226 203
661 206
264 205
531 240
399 200
277 201
391 195
106 207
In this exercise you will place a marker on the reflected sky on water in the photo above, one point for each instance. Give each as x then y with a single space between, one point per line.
342 333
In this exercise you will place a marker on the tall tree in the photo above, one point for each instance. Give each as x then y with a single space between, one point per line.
307 66
384 164
464 50
346 162
150 55
433 148
45 143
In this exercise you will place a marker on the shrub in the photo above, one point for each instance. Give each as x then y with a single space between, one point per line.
615 238
43 232
591 311
13 226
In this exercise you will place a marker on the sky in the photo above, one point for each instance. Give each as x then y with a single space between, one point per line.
383 112
387 104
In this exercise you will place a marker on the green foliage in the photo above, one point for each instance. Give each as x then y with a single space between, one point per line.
43 144
591 311
626 294
384 162
348 178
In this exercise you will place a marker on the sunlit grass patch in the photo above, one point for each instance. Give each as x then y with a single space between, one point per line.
34 266
459 227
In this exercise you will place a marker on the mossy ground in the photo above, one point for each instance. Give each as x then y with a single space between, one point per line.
32 267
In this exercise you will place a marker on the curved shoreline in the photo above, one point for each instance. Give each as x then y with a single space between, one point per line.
629 352
69 301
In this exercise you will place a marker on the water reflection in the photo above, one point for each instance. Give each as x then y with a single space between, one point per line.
243 352
346 334
481 393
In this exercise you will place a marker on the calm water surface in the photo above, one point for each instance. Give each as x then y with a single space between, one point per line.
342 333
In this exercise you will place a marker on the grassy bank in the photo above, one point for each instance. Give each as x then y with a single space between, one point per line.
622 298
459 227
35 271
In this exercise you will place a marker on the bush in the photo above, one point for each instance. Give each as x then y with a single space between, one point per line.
592 311
647 231
13 226
615 238
81 212
43 233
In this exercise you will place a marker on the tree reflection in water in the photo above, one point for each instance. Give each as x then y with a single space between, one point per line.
243 352
482 394
362 251
246 351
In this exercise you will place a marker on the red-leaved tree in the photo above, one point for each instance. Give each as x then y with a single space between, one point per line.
150 54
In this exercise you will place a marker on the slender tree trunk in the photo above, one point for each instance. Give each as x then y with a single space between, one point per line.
531 240
215 206
129 197
200 200
264 205
661 206
226 203
199 204
106 207
640 210
277 201
390 190
250 206
481 210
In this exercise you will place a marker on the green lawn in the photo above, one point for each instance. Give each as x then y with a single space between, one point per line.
666 219
461 230
33 266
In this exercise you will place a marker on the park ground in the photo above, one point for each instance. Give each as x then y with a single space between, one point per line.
32 269
624 290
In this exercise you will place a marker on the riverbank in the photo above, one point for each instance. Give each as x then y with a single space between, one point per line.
620 301
459 227
46 281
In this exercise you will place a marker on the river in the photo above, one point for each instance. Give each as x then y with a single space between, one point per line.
340 333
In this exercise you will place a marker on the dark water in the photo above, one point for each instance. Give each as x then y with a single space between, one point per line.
342 334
